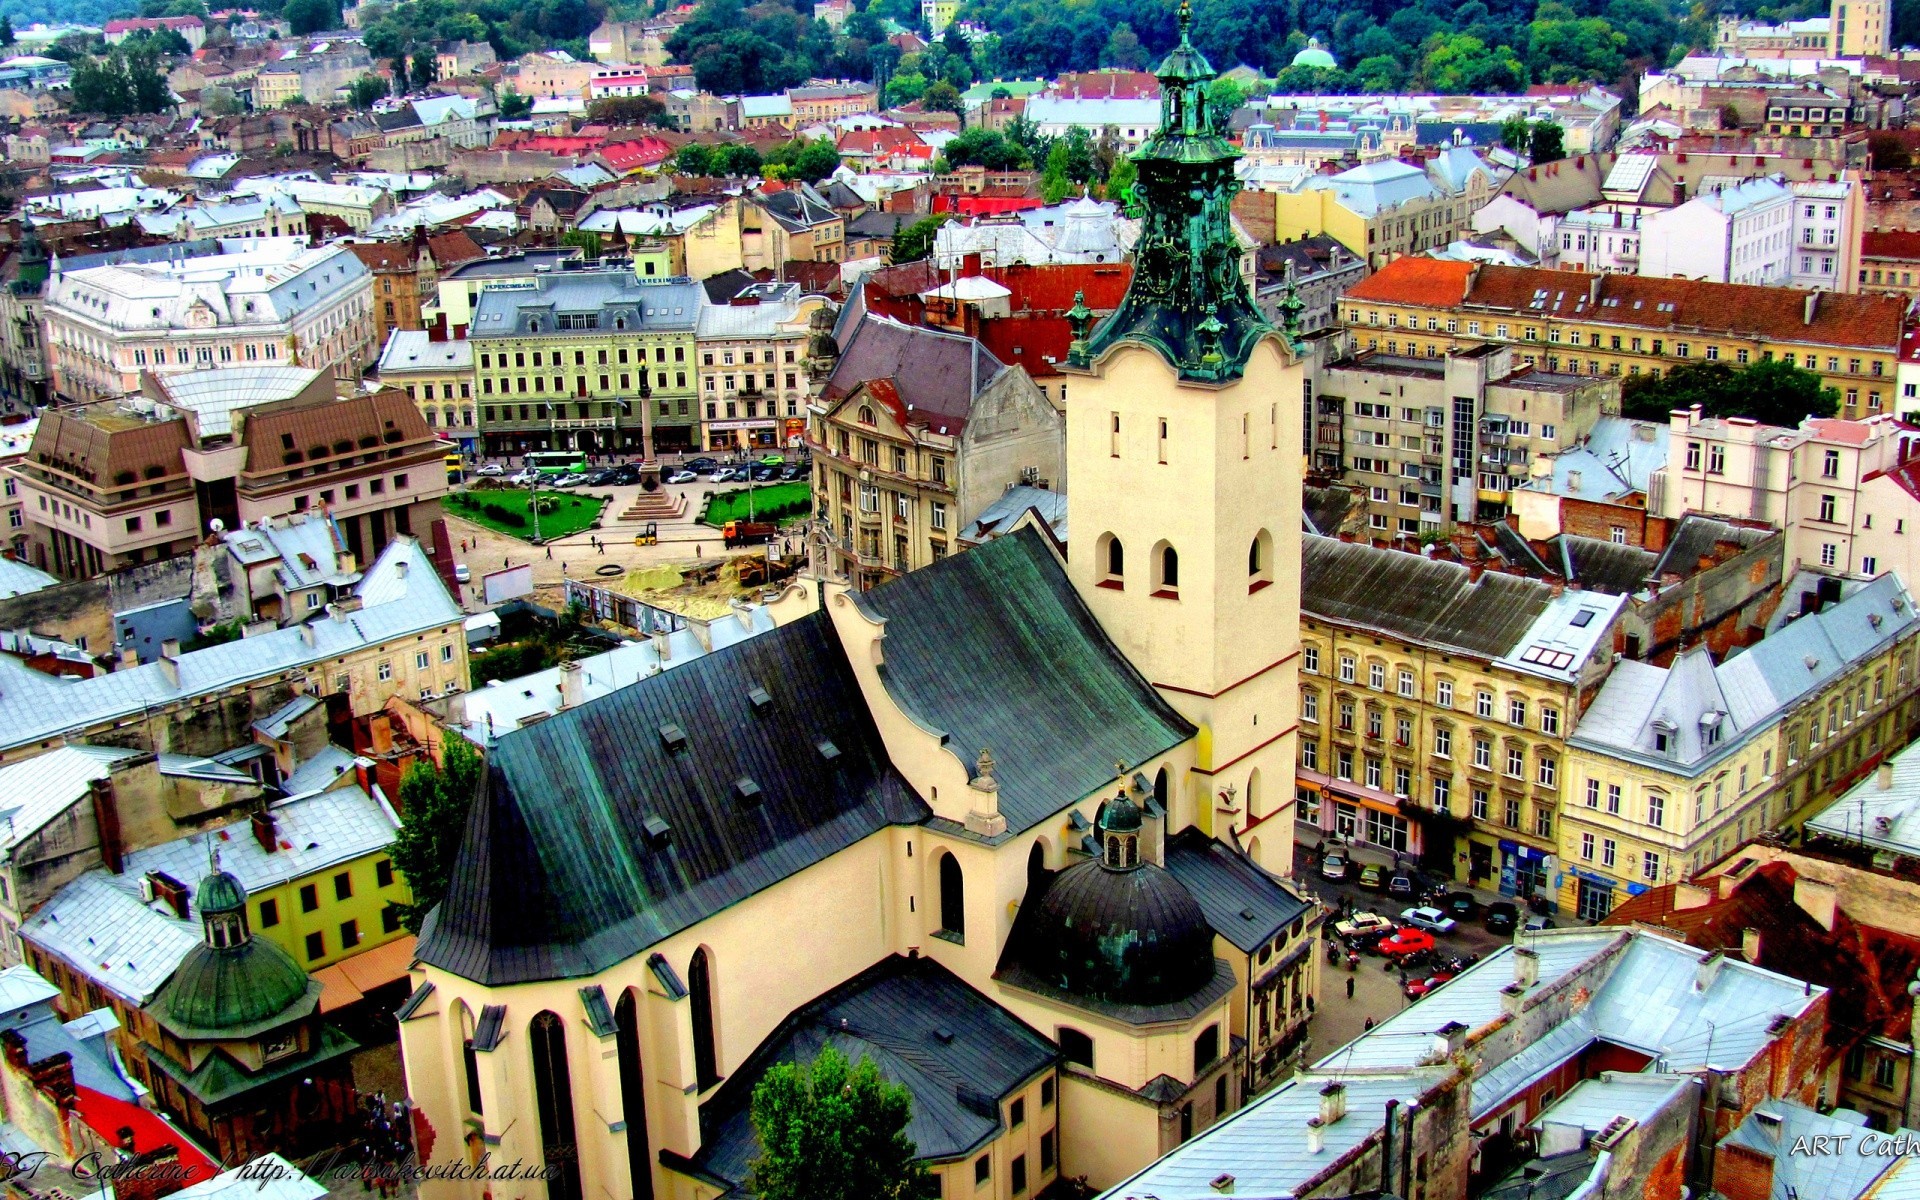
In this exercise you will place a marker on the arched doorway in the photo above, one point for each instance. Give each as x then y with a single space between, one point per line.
633 1097
553 1096
953 898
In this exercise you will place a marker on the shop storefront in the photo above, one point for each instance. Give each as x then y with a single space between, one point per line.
1335 808
1527 872
750 434
1592 895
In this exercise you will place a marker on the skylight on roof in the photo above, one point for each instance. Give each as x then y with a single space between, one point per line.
1582 619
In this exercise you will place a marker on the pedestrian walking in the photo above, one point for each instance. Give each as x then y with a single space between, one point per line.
1349 987
549 551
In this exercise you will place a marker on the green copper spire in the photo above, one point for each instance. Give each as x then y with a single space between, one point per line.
1187 299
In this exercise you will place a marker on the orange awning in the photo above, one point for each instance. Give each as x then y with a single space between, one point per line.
349 980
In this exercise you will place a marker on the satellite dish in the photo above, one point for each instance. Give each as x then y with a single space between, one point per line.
217 525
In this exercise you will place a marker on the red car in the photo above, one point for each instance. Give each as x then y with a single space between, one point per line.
1417 988
1406 941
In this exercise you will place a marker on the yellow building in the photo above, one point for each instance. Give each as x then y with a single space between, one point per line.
1672 767
1389 208
437 375
871 773
1616 324
1441 739
590 360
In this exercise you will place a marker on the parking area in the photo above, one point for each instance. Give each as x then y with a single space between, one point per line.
1374 989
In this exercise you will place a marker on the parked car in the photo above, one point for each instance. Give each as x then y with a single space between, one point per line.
720 475
523 477
1417 988
1334 865
490 469
793 471
1405 942
1537 923
572 479
1361 925
682 477
1373 877
461 574
1501 917
1402 882
773 460
1461 906
697 465
765 474
1430 919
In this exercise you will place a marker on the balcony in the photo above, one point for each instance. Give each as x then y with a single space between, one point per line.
585 423
1494 437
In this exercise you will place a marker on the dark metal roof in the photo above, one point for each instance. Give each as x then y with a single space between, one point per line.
995 649
1696 536
1243 903
560 874
411 1005
1327 508
1617 570
1416 597
1129 936
958 1052
491 1027
668 977
1517 550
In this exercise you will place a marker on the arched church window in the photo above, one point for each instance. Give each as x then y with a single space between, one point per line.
953 897
553 1098
706 1062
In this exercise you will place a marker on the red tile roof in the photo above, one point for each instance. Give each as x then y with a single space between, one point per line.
887 142
1051 288
1117 85
1906 477
1893 243
130 24
1677 305
1427 282
107 1116
629 156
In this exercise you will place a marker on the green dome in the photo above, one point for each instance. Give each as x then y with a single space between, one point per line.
1315 56
221 892
236 990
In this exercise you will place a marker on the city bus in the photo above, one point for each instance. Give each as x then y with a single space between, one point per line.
557 462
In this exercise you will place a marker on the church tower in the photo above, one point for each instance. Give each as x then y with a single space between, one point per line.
1184 461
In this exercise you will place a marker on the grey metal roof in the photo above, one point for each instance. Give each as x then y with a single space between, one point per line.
1604 566
1592 1104
560 875
1696 537
511 310
1885 817
1781 1131
1010 505
1243 903
994 649
1417 598
38 789
275 724
18 579
35 707
956 1051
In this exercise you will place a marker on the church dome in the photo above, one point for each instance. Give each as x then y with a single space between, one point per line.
233 983
1118 930
1315 56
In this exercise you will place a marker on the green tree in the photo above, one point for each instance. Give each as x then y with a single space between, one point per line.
425 69
1123 49
1546 142
6 31
1769 391
513 106
1054 184
157 41
311 16
905 87
694 159
1224 96
942 96
367 89
433 803
1515 133
218 101
1120 178
1379 75
737 160
588 241
828 1131
147 85
1459 64
911 243
1565 51
628 110
805 159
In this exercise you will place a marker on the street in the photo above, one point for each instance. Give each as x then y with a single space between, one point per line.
1377 991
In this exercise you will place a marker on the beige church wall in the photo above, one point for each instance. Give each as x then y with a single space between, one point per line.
1106 1136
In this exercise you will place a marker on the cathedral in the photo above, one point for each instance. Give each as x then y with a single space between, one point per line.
1014 826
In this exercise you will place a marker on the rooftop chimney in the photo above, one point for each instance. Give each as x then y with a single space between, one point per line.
1450 1039
1333 1102
170 648
400 568
1316 1135
129 656
662 648
572 685
263 830
106 818
1817 898
1704 974
1512 997
1526 967
1750 945
1810 307
1690 895
1883 776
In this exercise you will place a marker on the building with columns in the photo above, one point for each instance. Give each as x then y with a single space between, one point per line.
1033 816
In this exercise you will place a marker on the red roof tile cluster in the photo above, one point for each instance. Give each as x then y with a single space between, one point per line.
1108 85
133 24
1680 305
1890 243
633 155
107 1116
891 141
551 143
1906 477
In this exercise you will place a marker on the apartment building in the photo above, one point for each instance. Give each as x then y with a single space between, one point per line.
255 301
1384 210
794 224
1672 767
753 367
1739 234
358 205
437 375
594 360
1828 218
830 102
1435 707
309 78
1806 114
1890 262
113 483
915 432
1435 441
1626 324
458 289
1810 482
406 273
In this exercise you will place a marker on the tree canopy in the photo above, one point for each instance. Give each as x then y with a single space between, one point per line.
696 159
911 243
830 1131
311 16
434 801
511 27
807 159
119 84
1769 391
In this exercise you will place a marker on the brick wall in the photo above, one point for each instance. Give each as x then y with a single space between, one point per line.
1742 1174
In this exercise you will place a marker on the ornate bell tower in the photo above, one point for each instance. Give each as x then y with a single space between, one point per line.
1184 461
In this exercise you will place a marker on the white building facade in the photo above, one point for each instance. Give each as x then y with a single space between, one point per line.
1740 234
